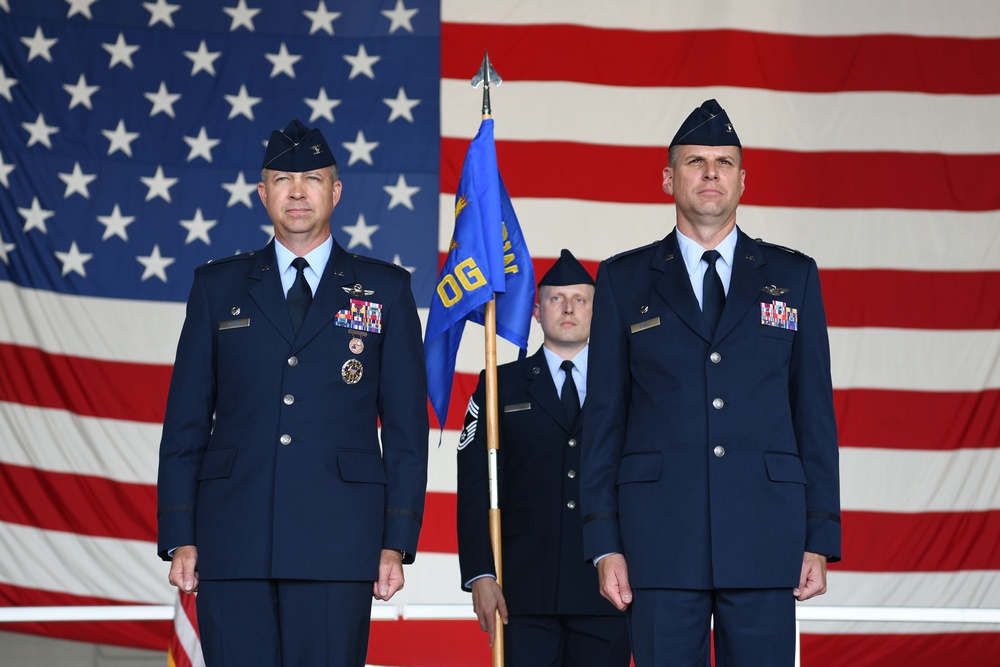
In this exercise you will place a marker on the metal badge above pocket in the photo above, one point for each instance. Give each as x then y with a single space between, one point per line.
516 407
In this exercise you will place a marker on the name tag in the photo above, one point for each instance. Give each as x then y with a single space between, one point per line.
648 324
517 407
234 324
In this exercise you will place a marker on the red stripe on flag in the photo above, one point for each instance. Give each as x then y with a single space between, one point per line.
822 63
900 650
917 419
77 503
923 542
550 169
919 299
438 532
429 644
150 635
89 387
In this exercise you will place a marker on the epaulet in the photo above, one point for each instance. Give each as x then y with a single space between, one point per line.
232 258
626 253
372 260
780 247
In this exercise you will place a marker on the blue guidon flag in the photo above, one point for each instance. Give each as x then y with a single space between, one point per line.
487 256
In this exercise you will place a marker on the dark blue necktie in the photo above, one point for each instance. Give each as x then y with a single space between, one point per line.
713 296
299 295
570 397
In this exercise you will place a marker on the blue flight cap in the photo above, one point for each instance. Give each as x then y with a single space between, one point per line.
296 149
567 270
708 125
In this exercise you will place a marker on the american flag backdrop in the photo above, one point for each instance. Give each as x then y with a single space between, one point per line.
130 142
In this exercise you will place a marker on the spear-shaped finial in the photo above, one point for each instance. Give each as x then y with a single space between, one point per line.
486 76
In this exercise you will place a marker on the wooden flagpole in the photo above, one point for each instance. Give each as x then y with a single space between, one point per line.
486 75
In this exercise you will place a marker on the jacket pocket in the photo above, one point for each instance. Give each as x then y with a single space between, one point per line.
218 463
783 467
360 466
641 467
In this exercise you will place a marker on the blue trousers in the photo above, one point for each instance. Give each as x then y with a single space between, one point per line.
284 623
753 627
564 640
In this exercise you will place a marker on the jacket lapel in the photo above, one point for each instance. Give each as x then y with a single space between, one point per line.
674 285
744 285
542 388
266 291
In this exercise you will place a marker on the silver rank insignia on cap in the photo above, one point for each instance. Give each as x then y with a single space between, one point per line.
357 290
351 371
317 149
775 291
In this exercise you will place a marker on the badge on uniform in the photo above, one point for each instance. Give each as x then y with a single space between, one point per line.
468 433
361 316
351 371
778 314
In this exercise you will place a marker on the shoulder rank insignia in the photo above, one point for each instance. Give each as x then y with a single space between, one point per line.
775 291
357 291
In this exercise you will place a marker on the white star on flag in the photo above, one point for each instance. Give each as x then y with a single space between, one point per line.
201 146
399 17
282 62
401 106
242 103
155 264
322 106
321 19
6 83
73 260
159 185
121 52
401 193
5 249
40 132
240 191
115 224
5 170
161 12
81 92
361 233
362 63
80 7
35 217
360 149
198 228
163 100
242 16
39 45
120 138
202 60
77 182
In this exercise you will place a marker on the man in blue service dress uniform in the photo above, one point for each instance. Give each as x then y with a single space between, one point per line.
554 614
710 482
278 500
